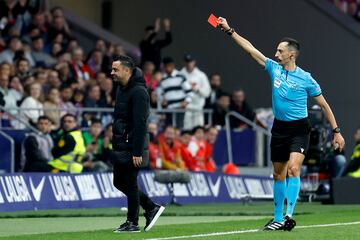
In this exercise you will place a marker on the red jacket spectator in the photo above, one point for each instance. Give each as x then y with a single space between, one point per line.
154 156
170 151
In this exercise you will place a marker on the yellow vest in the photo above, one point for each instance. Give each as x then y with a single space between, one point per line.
356 154
71 161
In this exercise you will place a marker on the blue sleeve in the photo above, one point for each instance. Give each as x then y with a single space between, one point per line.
270 66
313 88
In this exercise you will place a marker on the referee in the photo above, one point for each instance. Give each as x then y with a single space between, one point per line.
291 86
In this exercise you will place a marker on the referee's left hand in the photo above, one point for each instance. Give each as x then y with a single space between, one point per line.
137 161
338 142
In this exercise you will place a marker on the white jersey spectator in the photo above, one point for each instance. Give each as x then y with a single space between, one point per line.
31 116
200 91
11 97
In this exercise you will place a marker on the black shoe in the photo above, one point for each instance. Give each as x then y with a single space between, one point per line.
289 223
127 227
274 226
152 216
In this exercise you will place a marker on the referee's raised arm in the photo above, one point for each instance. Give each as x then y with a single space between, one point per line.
242 42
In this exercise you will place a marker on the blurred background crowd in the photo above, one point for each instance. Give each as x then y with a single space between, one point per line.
49 82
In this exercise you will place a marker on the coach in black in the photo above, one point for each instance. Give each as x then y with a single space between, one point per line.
130 142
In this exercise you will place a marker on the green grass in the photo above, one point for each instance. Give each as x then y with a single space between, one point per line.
87 224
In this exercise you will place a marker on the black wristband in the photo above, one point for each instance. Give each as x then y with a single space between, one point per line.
230 31
336 130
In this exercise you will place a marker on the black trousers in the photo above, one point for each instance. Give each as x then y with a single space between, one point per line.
125 180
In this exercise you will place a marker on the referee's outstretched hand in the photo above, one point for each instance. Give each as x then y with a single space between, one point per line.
223 23
137 161
338 142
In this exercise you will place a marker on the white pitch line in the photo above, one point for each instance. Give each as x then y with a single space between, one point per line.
249 231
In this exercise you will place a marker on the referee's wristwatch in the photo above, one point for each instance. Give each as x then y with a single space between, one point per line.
336 130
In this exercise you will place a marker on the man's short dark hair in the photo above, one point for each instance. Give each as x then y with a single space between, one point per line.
224 94
292 43
214 74
194 130
95 121
186 132
167 60
125 61
44 117
21 59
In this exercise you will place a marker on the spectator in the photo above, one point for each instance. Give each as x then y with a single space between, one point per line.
69 148
100 76
92 100
189 160
240 106
95 62
78 98
54 80
154 149
211 134
56 50
100 45
41 58
94 148
72 44
53 101
92 139
150 46
216 91
337 161
6 68
81 70
37 148
10 97
169 151
200 91
40 24
59 28
8 54
148 70
174 92
41 76
66 94
23 69
65 74
107 148
32 101
353 167
106 89
16 86
220 109
198 149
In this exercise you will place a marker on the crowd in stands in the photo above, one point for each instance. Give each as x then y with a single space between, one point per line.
350 7
43 67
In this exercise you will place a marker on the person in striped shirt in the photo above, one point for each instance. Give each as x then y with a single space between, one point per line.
174 92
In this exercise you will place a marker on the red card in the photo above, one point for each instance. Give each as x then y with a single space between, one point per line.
213 20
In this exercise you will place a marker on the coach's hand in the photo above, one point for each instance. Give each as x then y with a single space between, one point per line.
338 141
223 23
137 161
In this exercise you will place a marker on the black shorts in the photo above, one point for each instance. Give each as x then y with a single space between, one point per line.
288 137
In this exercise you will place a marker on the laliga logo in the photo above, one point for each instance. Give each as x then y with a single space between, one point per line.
36 191
215 187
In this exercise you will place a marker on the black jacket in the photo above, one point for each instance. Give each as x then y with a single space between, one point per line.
131 113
